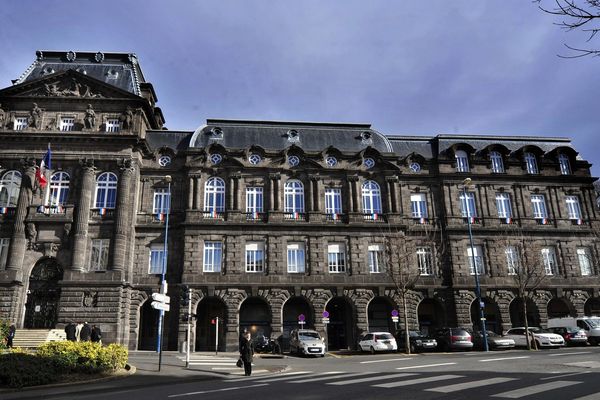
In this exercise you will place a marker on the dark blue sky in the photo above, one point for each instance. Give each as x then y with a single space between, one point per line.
408 67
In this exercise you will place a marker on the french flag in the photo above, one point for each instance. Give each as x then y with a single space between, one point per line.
471 220
375 217
255 215
40 172
160 216
544 221
509 220
422 221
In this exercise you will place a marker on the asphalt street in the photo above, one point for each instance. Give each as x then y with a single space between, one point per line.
568 373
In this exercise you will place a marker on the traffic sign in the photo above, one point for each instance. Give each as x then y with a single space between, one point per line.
325 320
160 306
394 319
325 314
394 313
163 298
301 317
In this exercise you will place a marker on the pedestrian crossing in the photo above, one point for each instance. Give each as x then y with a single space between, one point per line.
499 387
218 364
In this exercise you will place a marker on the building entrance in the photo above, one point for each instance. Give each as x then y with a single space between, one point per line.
43 295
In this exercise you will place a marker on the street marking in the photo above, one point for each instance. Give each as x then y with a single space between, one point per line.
585 364
418 381
469 385
291 375
218 390
212 363
528 391
565 375
370 379
569 354
325 378
225 368
593 396
427 366
502 359
256 378
380 361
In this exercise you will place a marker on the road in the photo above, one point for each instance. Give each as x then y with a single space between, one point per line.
568 373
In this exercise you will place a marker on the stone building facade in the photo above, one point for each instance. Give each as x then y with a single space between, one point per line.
271 220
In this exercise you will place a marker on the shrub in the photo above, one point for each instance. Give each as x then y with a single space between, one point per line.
3 332
20 369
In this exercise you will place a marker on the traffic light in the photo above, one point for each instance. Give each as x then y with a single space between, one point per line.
184 295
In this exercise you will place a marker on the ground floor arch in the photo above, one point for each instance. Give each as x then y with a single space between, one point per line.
43 295
207 311
431 315
591 307
292 309
379 315
491 313
255 317
516 313
559 308
148 327
340 330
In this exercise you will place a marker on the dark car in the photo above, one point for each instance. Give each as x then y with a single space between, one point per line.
573 335
495 341
453 339
418 341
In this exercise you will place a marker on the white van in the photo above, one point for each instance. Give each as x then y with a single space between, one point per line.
591 325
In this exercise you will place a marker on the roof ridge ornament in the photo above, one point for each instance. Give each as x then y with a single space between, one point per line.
293 136
366 138
99 57
71 56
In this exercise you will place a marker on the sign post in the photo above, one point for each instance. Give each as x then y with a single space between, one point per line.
216 335
325 322
301 320
189 329
395 319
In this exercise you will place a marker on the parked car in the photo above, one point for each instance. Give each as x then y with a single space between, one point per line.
378 341
591 325
573 335
543 338
494 341
453 339
263 344
418 341
307 342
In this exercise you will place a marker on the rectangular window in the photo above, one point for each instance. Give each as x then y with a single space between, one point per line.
4 243
21 123
549 260
333 201
531 163
156 260
255 257
162 201
565 165
424 261
375 258
254 200
462 161
467 205
418 205
99 255
496 162
336 258
573 207
475 255
213 257
67 124
538 204
503 205
113 125
296 258
512 259
584 257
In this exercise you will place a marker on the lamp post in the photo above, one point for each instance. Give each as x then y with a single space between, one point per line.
163 282
468 212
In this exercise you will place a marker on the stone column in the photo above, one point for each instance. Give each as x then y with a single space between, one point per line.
122 225
236 191
462 301
198 186
190 204
18 241
274 178
82 215
392 201
316 183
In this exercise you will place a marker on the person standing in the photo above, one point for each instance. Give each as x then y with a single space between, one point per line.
86 333
10 336
71 331
78 331
247 353
96 334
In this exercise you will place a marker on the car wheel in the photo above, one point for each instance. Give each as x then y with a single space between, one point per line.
372 350
412 348
593 341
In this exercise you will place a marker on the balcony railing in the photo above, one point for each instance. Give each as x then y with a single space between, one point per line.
51 210
7 212
103 213
216 215
334 217
543 221
472 220
255 216
374 217
507 221
294 216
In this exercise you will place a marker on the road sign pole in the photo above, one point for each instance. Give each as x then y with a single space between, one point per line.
216 336
189 329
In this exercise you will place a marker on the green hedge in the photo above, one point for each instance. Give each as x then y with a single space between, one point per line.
3 332
54 360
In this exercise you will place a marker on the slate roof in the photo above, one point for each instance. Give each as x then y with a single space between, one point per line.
407 145
118 69
175 140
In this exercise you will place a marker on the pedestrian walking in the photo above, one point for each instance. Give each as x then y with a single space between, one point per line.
86 333
247 353
10 335
71 331
96 334
78 331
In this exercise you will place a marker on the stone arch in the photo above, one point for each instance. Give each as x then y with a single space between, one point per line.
255 316
148 326
503 298
559 307
360 299
207 310
592 307
43 294
318 298
578 299
431 315
463 300
341 328
413 298
276 299
292 309
379 315
516 313
491 312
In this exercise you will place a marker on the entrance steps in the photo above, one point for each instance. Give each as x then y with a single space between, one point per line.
32 338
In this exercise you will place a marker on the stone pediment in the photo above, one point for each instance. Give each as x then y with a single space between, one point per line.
67 84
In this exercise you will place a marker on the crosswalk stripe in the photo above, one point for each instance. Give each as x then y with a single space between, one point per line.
371 379
469 385
211 363
418 381
503 358
569 354
528 391
241 372
427 366
325 378
593 396
390 360
255 378
285 378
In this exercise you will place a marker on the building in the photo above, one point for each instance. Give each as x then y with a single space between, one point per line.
270 220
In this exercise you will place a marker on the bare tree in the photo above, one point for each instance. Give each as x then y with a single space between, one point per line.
526 268
401 263
581 15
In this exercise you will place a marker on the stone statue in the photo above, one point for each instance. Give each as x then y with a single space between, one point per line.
127 118
36 116
31 232
90 117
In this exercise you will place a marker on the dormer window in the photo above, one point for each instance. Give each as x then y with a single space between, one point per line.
293 161
216 158
164 161
21 123
497 163
565 165
67 124
331 161
462 161
530 163
113 125
254 159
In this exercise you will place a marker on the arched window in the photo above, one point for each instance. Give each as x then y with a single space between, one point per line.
214 195
106 190
59 188
462 161
497 162
371 194
9 189
294 197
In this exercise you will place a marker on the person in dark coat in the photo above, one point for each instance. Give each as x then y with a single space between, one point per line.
247 353
86 332
71 331
96 334
10 335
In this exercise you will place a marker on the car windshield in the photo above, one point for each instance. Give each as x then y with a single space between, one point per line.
594 323
384 336
309 335
414 334
491 334
535 330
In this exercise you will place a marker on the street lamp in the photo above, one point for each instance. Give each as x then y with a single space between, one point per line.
468 212
163 282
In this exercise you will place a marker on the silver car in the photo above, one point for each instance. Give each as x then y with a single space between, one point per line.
543 338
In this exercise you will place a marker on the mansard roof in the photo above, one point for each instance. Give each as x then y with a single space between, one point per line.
117 69
276 135
175 140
